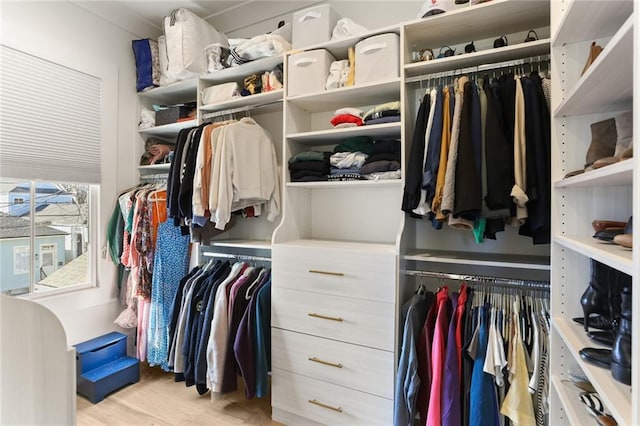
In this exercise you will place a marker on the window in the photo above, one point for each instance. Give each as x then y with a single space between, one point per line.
45 243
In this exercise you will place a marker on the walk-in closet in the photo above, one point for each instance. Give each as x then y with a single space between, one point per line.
319 212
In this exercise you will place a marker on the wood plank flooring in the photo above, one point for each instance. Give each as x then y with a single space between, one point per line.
157 400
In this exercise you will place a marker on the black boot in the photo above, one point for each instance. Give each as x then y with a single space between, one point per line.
596 298
621 351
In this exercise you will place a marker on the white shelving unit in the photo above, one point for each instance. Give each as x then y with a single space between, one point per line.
607 193
169 131
246 101
480 259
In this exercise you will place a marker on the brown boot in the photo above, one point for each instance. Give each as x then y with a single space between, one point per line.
603 141
624 142
594 51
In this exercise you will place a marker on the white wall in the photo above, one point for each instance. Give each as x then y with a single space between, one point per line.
74 34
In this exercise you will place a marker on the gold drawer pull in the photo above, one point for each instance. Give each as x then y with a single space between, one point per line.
316 271
320 404
325 317
319 361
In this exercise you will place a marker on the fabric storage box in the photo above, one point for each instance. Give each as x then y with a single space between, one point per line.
173 113
312 26
378 58
308 71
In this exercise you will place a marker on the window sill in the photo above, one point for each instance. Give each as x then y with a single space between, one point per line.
42 294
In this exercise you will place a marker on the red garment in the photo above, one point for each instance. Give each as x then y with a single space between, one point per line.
346 118
438 351
462 301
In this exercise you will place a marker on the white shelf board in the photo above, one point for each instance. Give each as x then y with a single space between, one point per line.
591 19
346 184
611 254
343 245
240 72
169 130
339 48
321 137
154 168
485 20
616 396
180 91
480 259
607 84
354 96
247 244
245 101
570 399
617 174
507 53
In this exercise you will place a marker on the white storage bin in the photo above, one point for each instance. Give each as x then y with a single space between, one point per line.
312 26
308 71
378 58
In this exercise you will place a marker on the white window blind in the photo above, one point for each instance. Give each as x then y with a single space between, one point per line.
50 120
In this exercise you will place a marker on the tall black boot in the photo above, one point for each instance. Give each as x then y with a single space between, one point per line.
621 351
618 281
596 298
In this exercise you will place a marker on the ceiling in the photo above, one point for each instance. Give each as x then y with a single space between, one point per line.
153 11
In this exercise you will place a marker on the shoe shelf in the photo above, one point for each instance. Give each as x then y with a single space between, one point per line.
242 71
169 131
605 86
179 91
321 137
615 395
480 259
346 184
476 22
366 94
569 396
489 56
246 101
618 174
611 254
591 19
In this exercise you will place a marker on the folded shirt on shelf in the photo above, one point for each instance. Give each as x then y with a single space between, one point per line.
346 119
380 166
348 110
309 166
383 156
346 159
355 143
307 175
309 178
396 174
383 108
310 155
337 171
382 120
345 177
312 165
386 145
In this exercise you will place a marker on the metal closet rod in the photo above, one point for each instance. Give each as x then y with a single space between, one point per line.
157 178
239 109
237 256
480 68
483 280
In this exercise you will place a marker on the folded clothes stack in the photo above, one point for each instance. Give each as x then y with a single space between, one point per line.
156 151
384 161
384 113
361 158
309 166
347 117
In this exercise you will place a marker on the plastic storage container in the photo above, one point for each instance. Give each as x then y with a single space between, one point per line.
312 26
308 71
378 58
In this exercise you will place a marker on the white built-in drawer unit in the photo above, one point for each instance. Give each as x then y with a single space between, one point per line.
358 274
352 366
363 322
327 403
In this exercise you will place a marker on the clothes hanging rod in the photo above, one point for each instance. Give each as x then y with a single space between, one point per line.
232 111
483 280
237 256
160 177
480 68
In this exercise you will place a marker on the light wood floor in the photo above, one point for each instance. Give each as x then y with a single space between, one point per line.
158 400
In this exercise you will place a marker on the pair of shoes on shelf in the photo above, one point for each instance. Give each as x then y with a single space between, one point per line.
618 358
594 51
611 142
624 240
608 230
596 408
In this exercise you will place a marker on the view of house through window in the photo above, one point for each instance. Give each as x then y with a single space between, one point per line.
44 236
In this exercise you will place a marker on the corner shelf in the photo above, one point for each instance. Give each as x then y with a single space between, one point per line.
321 137
617 174
245 101
479 21
611 254
480 259
179 91
613 66
516 51
169 130
616 396
366 94
570 398
588 20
